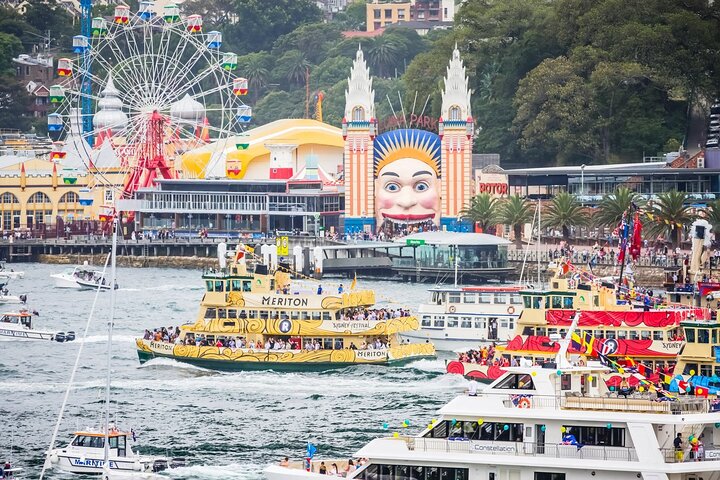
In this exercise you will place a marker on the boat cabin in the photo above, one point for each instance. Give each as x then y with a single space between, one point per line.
22 318
118 442
701 354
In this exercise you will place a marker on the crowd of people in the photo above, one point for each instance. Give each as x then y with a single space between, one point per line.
486 356
332 469
373 314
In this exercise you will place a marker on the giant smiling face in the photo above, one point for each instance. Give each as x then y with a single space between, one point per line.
407 191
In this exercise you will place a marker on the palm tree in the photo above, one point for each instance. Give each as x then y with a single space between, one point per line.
384 52
613 206
483 210
516 211
668 214
255 69
712 215
565 212
293 66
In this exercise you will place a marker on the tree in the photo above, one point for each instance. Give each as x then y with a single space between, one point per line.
354 16
564 212
668 214
383 54
14 104
278 105
482 210
712 215
292 67
515 212
255 67
613 206
314 40
10 47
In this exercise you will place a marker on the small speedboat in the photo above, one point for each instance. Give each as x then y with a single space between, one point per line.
19 326
83 278
86 454
5 296
9 274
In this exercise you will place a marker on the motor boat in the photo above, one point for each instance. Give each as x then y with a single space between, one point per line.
85 455
10 274
19 326
7 471
82 278
5 296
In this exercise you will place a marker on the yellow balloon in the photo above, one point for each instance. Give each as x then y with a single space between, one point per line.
434 420
396 435
480 421
692 372
533 374
404 425
562 429
642 389
590 378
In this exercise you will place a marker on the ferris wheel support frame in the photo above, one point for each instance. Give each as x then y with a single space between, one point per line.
86 85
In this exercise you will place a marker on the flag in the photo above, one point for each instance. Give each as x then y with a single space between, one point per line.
565 267
311 450
354 282
701 392
588 343
636 243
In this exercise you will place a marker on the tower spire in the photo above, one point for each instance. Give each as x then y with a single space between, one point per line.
456 94
359 96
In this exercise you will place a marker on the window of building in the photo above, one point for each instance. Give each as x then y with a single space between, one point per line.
454 113
377 13
39 209
388 13
358 114
10 208
407 472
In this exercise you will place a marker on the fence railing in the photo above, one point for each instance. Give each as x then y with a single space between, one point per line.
594 452
664 261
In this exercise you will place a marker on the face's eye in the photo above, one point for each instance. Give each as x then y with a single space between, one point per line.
392 187
422 186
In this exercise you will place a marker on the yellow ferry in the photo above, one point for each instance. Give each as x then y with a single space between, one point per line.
261 320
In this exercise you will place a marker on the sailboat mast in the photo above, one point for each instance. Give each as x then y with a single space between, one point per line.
539 240
456 264
113 264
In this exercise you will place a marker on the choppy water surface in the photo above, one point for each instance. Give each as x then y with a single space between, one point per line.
230 425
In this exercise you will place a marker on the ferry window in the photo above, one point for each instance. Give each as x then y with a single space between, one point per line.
541 331
609 437
706 370
549 476
466 323
517 300
246 285
440 323
480 323
501 298
387 472
264 314
338 344
565 381
295 315
470 297
435 298
113 442
222 313
327 343
690 335
227 285
326 316
316 315
232 313
556 302
527 331
537 302
690 367
236 285
703 335
452 322
552 331
432 473
503 323
274 314
511 324
242 314
609 334
526 301
210 313
517 381
568 302
79 441
305 315
714 335
96 442
596 300
209 285
634 335
219 285
456 431
272 284
425 322
657 335
622 334
645 334
470 429
454 297
486 298
547 302
439 430
229 323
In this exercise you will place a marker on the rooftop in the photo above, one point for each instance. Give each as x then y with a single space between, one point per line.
455 238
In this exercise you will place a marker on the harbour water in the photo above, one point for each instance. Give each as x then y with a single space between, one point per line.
229 425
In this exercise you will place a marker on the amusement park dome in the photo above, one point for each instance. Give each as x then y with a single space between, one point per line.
110 114
188 109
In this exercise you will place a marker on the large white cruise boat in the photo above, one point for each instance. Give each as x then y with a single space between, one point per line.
465 318
560 423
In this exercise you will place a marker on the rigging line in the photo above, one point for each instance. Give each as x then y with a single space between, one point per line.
425 106
392 108
413 107
72 374
403 109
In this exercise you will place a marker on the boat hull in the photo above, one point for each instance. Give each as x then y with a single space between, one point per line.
446 344
8 335
227 359
94 466
65 281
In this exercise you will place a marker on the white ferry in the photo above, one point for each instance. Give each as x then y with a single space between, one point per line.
19 326
85 454
560 423
81 277
464 318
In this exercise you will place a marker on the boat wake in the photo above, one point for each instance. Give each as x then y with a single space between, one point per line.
170 363
233 470
427 365
163 288
103 339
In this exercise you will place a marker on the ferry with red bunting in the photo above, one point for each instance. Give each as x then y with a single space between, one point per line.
462 318
638 327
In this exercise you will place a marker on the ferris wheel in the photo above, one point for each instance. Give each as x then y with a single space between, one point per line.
145 87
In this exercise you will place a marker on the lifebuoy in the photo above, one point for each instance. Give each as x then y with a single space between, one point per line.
452 309
511 310
524 403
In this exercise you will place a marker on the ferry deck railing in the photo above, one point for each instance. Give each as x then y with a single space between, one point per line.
681 456
553 450
613 402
